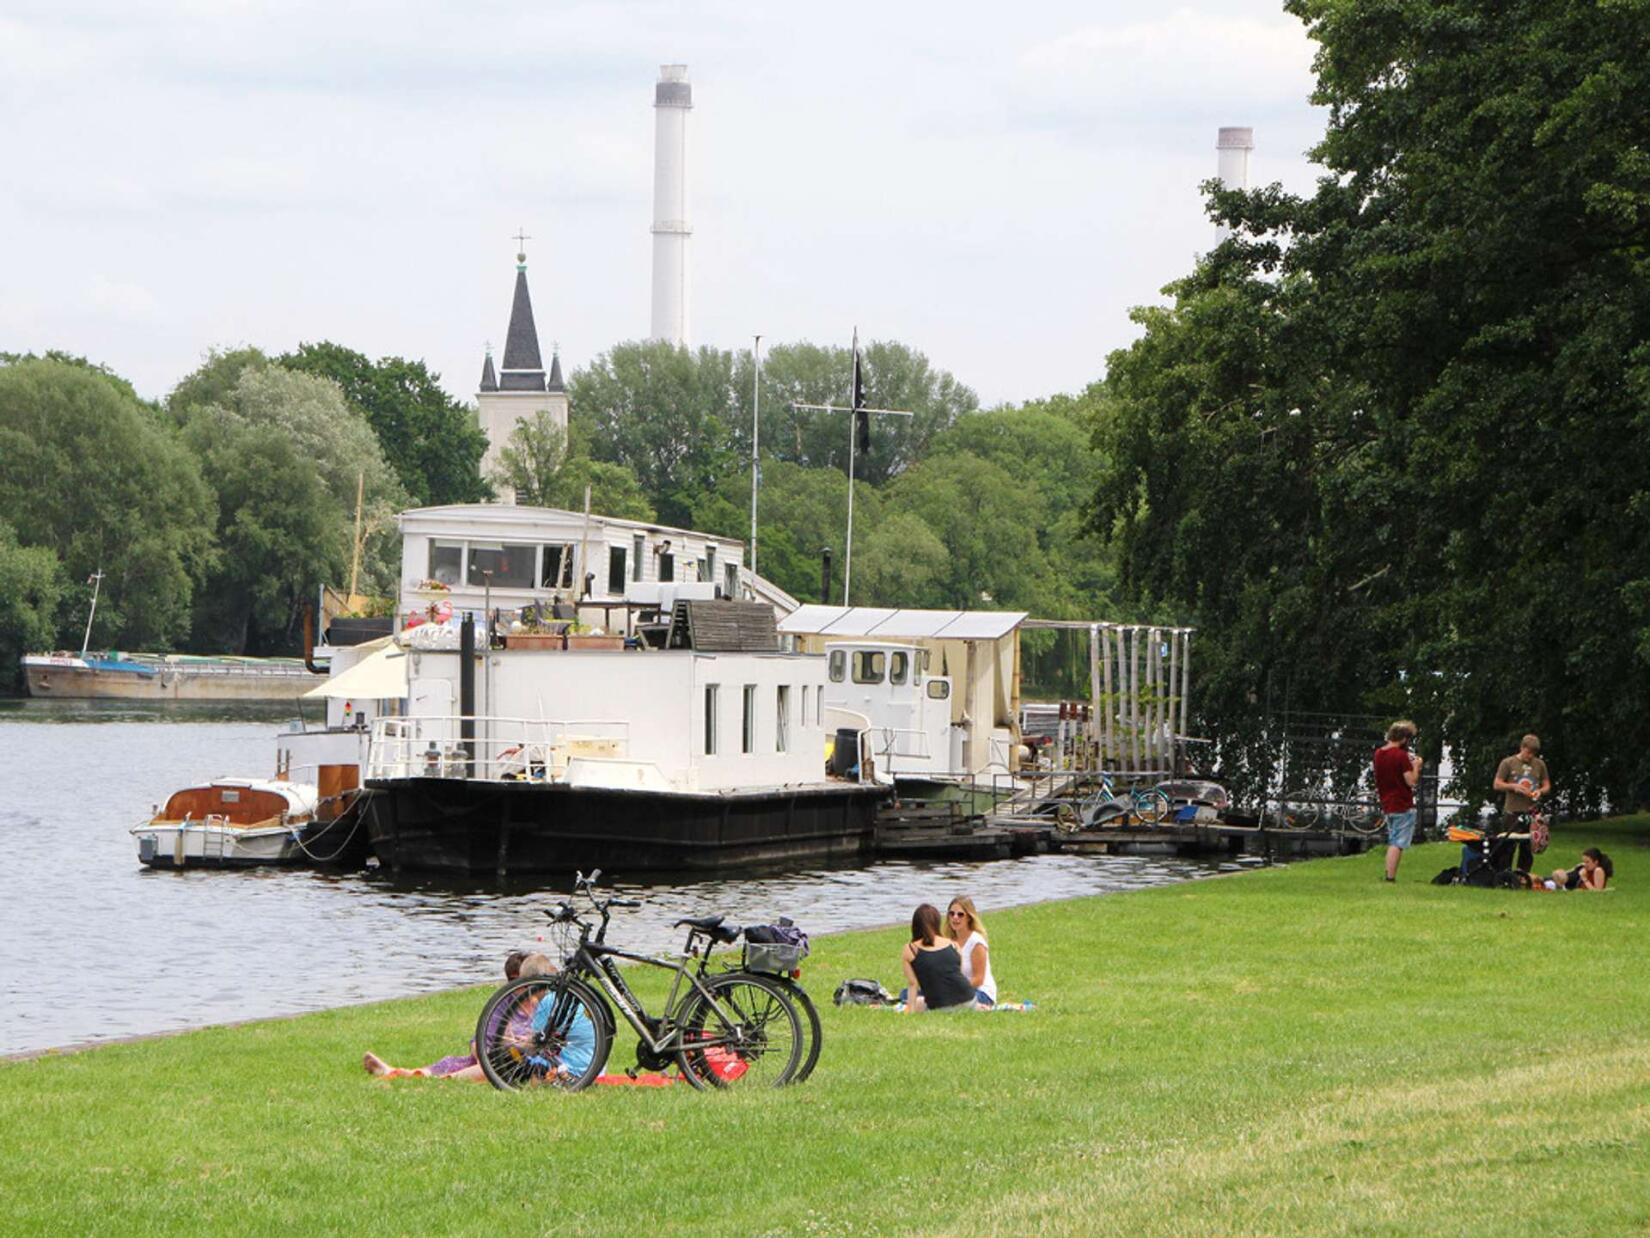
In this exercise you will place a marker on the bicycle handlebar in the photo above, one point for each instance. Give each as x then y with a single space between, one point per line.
623 902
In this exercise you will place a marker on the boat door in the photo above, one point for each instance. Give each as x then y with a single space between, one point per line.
434 711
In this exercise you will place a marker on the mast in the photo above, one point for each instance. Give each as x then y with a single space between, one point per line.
96 579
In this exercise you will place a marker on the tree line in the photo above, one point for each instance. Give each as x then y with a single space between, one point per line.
217 512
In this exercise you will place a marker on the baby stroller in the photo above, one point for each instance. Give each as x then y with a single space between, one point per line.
1487 857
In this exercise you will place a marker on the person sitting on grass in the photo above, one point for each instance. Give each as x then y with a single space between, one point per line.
934 977
462 1065
1593 873
964 927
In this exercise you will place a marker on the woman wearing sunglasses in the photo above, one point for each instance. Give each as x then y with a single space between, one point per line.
964 927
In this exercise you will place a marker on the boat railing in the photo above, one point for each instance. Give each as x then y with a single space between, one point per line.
497 749
895 741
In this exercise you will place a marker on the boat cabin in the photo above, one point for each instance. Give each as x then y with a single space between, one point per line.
238 802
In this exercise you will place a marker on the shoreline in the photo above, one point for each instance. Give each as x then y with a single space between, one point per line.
86 1046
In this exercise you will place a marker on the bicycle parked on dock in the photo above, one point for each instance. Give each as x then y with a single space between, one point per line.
1101 804
732 1028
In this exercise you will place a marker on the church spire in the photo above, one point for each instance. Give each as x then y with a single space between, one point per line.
555 383
489 380
523 370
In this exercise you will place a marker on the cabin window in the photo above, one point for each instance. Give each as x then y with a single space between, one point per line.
839 665
869 665
804 704
447 562
638 547
557 569
615 570
782 732
748 731
899 665
939 689
730 586
711 694
667 565
707 571
510 565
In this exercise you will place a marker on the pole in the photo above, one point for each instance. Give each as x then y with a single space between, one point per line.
97 585
355 557
853 436
1107 700
1174 695
756 426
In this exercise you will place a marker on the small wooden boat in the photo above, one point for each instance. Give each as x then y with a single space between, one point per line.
229 822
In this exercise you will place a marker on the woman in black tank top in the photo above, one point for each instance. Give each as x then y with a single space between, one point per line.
933 968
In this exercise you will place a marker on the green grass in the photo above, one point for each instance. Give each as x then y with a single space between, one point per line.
1302 1048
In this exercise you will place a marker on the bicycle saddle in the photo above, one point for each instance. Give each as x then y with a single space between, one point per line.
713 925
707 923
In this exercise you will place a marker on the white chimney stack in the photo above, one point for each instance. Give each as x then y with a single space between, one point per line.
672 100
1234 146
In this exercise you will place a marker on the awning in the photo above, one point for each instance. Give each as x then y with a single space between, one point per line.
876 623
380 676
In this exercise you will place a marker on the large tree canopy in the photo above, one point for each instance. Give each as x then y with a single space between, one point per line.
95 476
1386 447
431 440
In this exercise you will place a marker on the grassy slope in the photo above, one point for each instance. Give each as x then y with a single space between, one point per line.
1301 1048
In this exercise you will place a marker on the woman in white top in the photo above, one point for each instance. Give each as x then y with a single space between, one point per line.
963 926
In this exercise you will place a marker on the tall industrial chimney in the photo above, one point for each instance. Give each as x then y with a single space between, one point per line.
1234 146
672 100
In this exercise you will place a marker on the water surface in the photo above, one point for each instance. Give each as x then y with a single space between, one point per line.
182 949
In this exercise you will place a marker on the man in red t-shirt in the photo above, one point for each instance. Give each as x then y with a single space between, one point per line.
1397 770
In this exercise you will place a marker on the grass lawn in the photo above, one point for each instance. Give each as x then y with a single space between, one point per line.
1302 1048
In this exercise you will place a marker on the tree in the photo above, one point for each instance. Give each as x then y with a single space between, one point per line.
306 446
545 470
1363 447
91 474
895 376
31 586
433 442
662 412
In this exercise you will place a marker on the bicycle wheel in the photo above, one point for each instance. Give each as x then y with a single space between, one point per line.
547 1031
750 1037
1362 819
1153 806
1067 819
810 1026
1299 814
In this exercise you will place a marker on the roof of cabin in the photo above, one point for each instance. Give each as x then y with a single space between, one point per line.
883 624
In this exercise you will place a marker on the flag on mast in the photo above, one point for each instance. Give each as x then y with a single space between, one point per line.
862 419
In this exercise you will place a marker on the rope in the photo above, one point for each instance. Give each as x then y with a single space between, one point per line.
358 798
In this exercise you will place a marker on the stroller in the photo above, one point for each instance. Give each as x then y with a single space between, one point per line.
1487 856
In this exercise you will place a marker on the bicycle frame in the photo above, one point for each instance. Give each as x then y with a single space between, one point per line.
596 960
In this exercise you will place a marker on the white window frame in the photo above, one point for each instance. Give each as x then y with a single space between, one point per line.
782 714
713 706
747 731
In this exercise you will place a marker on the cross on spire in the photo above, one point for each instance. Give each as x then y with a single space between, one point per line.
521 238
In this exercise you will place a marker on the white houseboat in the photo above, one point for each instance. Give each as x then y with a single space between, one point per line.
707 753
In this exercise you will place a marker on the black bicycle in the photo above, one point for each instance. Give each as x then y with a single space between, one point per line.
720 1028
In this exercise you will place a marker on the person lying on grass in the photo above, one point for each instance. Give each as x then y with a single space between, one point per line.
1593 873
463 1065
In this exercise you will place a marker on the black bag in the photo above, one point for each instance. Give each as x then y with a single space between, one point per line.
782 932
1450 876
863 993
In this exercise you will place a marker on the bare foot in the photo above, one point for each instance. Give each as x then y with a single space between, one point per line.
375 1065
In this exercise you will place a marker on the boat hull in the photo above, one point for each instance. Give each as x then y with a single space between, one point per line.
198 846
456 825
86 683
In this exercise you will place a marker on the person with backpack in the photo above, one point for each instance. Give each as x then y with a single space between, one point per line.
1397 770
1523 779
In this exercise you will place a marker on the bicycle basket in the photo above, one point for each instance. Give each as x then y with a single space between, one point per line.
778 957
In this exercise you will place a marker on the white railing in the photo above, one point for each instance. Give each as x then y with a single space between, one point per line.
502 750
891 743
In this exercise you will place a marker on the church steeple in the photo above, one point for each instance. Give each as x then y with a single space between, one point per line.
555 383
523 370
489 380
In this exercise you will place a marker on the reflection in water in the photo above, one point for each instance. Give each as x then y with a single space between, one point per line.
183 949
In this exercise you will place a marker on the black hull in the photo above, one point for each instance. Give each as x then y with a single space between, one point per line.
452 825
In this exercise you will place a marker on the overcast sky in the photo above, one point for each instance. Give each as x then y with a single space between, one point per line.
994 184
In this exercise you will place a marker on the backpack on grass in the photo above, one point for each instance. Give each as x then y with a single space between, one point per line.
863 993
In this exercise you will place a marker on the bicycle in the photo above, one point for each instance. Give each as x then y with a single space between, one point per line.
1104 806
721 1029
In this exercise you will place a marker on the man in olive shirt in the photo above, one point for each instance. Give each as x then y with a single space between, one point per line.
1523 778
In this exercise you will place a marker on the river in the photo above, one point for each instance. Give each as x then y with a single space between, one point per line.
174 950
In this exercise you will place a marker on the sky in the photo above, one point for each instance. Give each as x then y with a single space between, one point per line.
995 185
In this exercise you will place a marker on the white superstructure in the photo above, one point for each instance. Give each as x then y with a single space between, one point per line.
672 101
